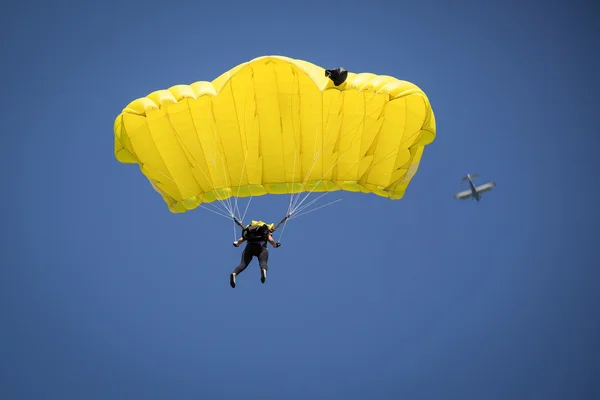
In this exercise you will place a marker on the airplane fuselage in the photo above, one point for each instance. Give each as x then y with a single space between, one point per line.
474 191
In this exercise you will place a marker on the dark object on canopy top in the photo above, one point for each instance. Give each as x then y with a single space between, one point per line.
338 75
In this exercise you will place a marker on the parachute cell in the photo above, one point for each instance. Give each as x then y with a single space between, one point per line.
275 125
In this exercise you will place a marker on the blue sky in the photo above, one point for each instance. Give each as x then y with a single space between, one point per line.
107 295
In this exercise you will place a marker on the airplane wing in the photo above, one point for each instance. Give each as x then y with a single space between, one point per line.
463 195
486 187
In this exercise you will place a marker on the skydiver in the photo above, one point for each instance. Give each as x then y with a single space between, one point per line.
257 236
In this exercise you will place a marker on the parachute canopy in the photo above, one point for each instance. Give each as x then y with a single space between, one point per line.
276 125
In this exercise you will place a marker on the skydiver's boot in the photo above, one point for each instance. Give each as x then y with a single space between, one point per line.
263 275
232 280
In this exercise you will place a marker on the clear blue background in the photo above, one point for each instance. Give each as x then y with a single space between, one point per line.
107 295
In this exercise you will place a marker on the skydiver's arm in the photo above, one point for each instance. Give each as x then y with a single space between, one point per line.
273 243
239 241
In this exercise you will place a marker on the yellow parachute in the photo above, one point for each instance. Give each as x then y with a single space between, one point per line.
276 125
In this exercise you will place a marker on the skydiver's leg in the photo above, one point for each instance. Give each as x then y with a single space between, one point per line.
263 259
244 262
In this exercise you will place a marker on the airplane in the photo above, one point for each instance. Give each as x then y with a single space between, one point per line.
474 192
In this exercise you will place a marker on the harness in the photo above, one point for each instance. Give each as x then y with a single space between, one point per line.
258 231
256 234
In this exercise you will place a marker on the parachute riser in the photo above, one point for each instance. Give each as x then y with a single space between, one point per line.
281 222
238 223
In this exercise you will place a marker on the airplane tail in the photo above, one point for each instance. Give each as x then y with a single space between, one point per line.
466 178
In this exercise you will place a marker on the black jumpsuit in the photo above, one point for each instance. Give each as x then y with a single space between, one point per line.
254 249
